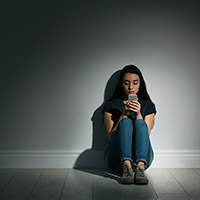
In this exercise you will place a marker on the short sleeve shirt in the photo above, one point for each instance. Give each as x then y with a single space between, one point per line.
116 106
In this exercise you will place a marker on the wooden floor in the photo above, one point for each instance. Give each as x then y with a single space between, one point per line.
102 184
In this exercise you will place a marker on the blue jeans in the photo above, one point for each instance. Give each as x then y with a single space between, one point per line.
129 142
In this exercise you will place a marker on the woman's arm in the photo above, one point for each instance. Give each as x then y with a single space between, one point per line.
109 123
149 119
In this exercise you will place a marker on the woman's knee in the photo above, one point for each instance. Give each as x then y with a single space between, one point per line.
141 126
125 127
140 122
126 122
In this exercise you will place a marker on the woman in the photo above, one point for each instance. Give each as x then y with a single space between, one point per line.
128 125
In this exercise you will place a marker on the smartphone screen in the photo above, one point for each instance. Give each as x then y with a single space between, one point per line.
132 97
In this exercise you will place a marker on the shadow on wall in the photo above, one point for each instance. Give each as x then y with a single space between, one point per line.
93 158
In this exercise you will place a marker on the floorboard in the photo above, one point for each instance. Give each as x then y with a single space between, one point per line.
50 185
21 185
6 176
97 184
107 186
78 186
189 180
198 171
165 185
138 192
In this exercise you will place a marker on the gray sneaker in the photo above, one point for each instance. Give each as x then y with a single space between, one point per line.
127 177
140 178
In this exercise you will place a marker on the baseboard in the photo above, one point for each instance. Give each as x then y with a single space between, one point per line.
91 159
176 159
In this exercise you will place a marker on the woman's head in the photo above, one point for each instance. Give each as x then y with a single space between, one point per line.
131 81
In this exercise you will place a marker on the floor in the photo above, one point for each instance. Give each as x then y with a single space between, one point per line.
96 184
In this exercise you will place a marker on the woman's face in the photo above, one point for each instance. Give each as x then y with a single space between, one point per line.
130 84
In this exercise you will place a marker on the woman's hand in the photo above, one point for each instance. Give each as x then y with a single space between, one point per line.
135 107
126 112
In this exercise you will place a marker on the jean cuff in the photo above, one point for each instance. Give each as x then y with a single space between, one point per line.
141 160
125 158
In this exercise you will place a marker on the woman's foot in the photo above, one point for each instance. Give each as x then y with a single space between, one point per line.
127 177
140 178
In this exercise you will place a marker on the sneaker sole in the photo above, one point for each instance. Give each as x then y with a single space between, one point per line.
141 182
127 181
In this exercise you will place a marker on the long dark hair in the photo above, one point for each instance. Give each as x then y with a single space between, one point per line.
142 93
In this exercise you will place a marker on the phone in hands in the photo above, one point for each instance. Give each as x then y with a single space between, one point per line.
132 97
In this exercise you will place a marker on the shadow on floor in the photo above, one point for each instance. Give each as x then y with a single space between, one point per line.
106 173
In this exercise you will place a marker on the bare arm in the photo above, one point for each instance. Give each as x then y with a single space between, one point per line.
109 124
149 119
130 106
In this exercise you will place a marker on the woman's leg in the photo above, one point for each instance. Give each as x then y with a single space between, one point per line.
143 148
143 151
120 147
125 135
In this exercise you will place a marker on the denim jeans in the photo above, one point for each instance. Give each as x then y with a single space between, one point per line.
129 142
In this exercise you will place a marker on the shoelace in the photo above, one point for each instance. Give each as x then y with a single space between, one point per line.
127 171
138 166
140 170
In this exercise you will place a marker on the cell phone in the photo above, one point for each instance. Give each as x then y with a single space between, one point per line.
132 97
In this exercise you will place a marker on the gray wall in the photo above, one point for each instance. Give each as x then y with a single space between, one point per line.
59 62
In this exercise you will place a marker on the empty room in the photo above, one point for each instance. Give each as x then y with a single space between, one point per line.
100 100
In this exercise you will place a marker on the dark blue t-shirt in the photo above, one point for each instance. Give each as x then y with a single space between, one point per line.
116 106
